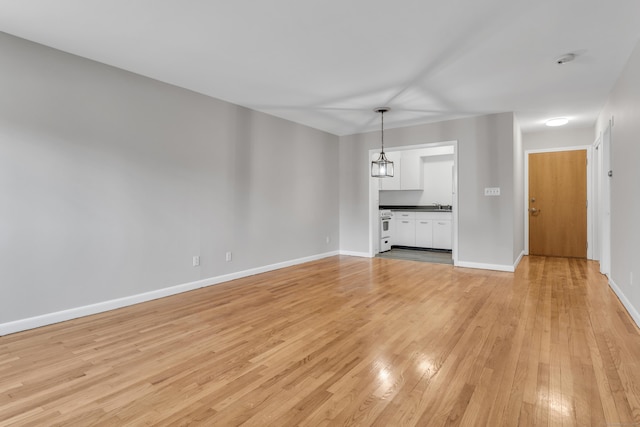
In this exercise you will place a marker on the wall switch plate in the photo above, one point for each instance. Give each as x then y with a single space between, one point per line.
196 261
228 256
492 191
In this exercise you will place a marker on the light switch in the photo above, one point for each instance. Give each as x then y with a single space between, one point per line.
492 191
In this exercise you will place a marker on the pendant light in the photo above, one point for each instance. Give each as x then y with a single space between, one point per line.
383 167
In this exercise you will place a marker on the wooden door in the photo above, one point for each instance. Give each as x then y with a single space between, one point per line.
558 204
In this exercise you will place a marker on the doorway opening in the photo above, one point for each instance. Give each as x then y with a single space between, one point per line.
433 212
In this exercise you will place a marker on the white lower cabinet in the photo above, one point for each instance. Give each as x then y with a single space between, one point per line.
424 233
442 234
423 229
405 232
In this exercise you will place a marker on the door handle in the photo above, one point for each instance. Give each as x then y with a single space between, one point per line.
534 211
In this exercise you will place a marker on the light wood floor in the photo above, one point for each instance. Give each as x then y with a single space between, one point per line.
342 341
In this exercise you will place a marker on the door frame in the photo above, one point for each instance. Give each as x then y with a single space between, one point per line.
596 170
604 203
374 215
589 150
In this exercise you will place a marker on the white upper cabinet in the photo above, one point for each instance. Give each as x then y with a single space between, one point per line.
392 183
408 171
412 175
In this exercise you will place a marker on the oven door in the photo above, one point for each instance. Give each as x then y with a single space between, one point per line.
385 227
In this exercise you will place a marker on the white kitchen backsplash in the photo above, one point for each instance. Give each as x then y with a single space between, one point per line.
438 185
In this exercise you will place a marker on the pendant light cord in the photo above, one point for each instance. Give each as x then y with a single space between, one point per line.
382 130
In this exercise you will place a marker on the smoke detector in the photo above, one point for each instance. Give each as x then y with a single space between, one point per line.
567 57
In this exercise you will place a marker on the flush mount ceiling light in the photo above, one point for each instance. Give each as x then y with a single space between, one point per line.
559 121
383 167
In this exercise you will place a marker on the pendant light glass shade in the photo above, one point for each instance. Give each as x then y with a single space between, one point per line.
383 167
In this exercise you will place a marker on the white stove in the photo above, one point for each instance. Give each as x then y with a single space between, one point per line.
386 229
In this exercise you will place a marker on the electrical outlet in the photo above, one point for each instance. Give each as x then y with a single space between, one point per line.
228 256
328 239
196 261
492 191
631 278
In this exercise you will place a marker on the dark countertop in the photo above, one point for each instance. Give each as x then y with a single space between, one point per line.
425 208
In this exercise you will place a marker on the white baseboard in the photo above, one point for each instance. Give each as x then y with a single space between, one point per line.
482 266
358 254
633 312
496 267
515 264
87 310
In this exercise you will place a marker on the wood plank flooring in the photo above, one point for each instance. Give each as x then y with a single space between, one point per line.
342 341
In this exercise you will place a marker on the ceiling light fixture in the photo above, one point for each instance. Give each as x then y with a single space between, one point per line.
383 167
559 121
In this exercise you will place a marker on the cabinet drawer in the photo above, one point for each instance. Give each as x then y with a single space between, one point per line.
404 215
434 215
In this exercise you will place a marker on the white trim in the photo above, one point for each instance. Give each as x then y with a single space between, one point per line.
590 204
589 149
558 149
482 266
87 310
625 302
358 254
517 262
605 202
596 180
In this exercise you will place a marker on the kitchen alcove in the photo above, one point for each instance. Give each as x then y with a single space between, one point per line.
425 180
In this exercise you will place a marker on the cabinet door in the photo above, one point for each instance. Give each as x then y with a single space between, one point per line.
394 182
411 177
405 232
442 234
424 233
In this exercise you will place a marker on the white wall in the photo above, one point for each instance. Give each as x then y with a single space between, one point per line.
437 187
485 159
518 192
624 106
111 182
557 138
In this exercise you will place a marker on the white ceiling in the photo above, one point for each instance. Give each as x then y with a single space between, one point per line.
328 63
